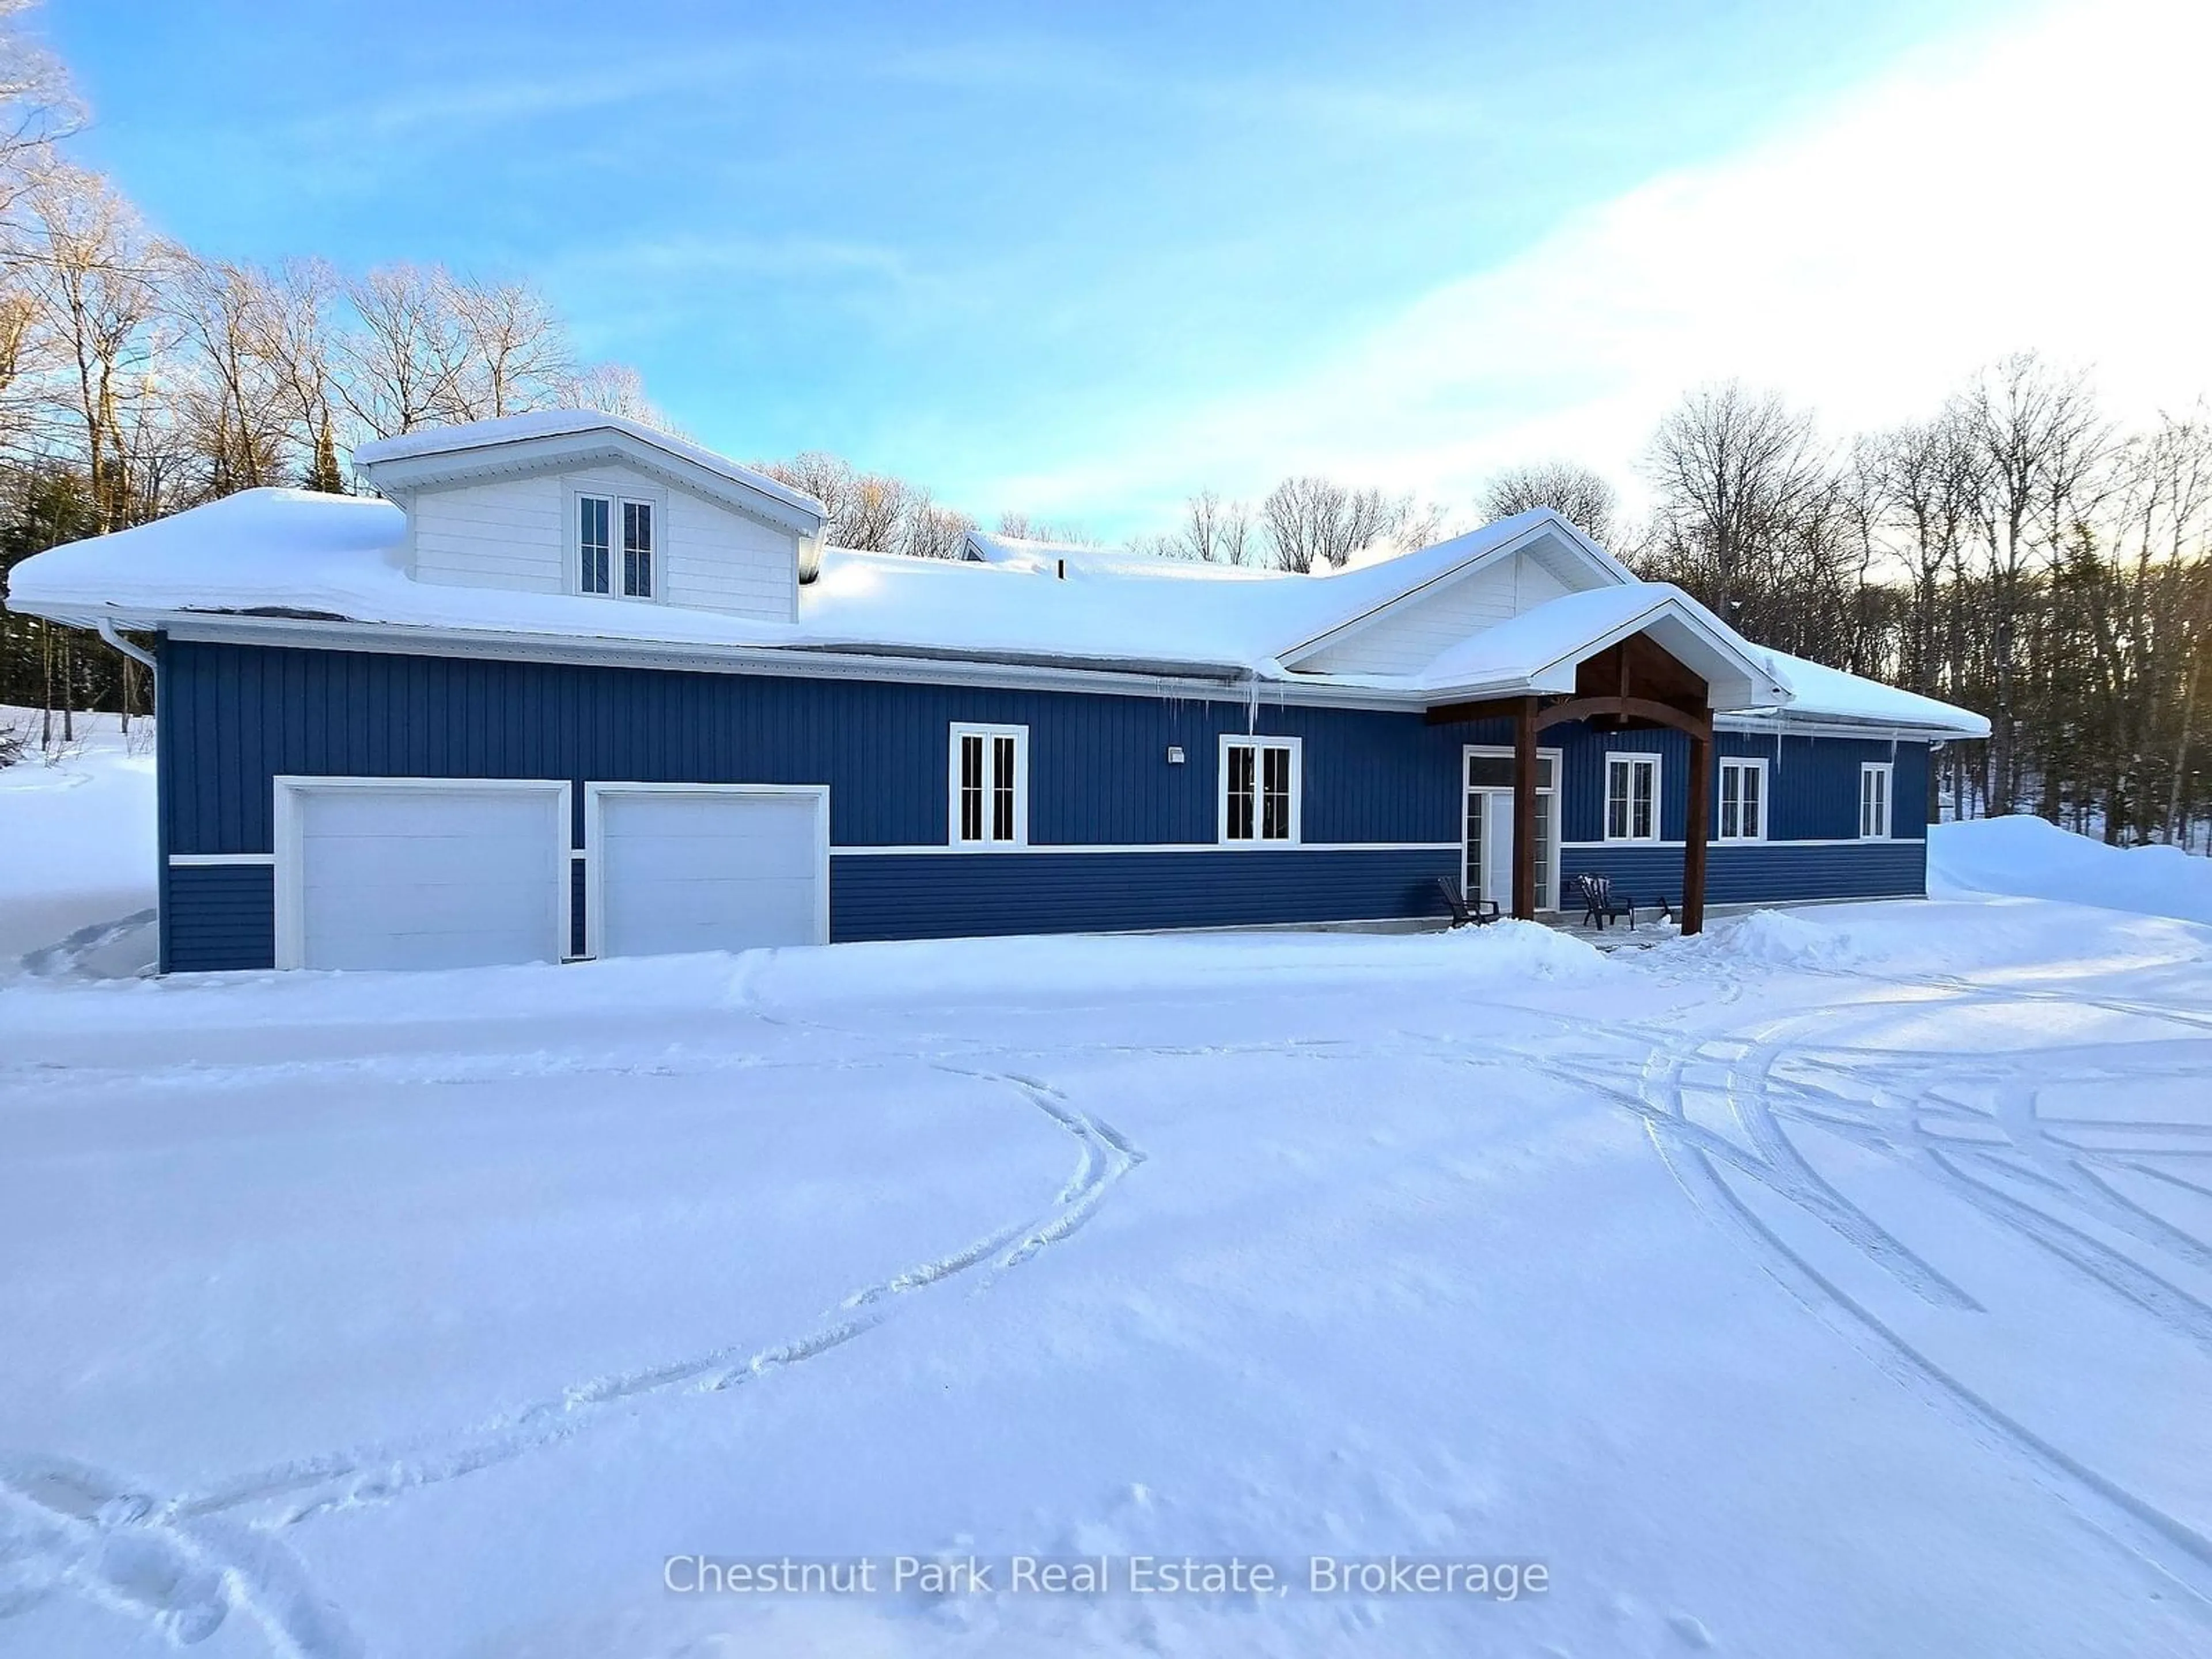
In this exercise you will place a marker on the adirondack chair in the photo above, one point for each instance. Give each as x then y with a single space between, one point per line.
1601 904
1466 912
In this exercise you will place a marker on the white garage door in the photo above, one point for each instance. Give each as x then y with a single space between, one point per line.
418 875
708 868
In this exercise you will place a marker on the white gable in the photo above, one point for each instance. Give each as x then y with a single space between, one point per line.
1408 636
518 534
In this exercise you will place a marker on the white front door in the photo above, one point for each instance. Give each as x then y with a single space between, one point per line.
1488 864
1496 880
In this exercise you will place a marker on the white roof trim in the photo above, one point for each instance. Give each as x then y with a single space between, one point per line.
1767 691
441 456
1552 525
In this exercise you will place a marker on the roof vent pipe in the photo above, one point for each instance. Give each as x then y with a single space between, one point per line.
1062 568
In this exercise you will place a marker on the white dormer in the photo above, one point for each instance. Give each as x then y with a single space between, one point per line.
579 502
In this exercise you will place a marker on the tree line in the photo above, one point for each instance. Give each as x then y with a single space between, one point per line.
2016 552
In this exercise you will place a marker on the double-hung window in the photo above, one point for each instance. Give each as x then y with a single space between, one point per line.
614 545
1743 816
1874 801
990 797
1632 797
1260 789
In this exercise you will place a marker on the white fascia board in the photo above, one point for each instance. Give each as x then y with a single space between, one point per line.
1774 723
403 477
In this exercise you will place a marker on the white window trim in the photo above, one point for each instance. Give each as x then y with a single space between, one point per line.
1741 764
1658 797
1020 734
1234 740
1494 751
595 795
572 542
291 943
1888 771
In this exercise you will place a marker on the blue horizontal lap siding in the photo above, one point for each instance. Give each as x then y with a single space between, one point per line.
218 916
237 717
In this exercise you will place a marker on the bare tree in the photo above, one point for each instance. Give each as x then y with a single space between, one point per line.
931 531
2038 433
1733 469
92 281
1214 532
234 402
1023 527
38 106
516 352
1575 492
1312 522
402 364
615 389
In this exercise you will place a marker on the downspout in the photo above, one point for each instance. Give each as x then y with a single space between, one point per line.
140 654
136 654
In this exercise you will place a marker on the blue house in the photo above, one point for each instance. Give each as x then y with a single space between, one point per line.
567 687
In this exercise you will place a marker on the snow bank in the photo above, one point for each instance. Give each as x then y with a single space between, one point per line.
1781 939
2029 858
1081 968
1976 936
78 831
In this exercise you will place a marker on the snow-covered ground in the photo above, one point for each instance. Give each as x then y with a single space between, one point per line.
1840 1282
77 849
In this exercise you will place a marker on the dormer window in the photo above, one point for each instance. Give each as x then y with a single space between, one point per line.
598 520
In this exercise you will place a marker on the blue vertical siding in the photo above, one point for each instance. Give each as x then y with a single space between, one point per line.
1755 874
1813 783
1098 767
927 897
234 718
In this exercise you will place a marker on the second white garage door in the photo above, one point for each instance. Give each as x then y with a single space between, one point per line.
682 868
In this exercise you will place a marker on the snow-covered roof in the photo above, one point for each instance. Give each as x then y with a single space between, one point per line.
477 442
1814 688
294 554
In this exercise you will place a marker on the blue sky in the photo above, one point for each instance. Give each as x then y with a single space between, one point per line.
1074 259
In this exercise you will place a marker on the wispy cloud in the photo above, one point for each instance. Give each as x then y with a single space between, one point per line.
2038 188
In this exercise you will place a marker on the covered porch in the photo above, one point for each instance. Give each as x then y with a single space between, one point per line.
1669 667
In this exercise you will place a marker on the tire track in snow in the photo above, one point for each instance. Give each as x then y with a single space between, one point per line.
369 1476
185 1563
2174 1547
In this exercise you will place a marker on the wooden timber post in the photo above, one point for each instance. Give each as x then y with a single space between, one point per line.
1696 830
1524 810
